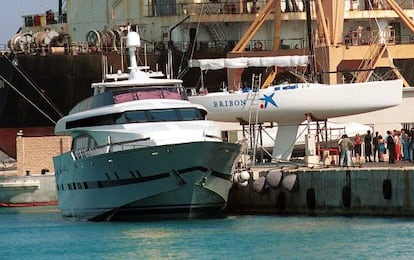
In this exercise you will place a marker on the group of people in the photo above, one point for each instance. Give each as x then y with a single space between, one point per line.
398 144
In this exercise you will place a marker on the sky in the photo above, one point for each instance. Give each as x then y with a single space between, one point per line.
11 12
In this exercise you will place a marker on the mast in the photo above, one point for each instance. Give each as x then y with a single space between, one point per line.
310 41
170 72
60 5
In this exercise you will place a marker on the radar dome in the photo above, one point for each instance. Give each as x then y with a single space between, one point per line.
133 40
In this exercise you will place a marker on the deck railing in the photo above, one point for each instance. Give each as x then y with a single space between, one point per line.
84 153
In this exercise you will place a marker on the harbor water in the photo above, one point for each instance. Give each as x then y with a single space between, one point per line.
41 233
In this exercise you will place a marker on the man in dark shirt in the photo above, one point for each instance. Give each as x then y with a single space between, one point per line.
375 144
411 144
368 146
391 147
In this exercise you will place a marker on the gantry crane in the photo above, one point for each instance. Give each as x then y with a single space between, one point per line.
329 35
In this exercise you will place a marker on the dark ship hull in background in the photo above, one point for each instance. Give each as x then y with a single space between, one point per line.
38 90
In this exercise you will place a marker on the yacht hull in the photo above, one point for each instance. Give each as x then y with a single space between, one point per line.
179 180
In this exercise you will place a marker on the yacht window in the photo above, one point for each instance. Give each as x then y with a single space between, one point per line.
163 115
191 114
83 142
136 116
93 121
140 93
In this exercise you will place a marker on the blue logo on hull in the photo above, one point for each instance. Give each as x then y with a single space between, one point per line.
267 100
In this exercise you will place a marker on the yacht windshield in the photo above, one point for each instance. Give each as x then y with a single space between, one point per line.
159 115
140 116
140 93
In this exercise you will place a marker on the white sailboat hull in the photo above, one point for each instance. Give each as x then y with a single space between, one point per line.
290 103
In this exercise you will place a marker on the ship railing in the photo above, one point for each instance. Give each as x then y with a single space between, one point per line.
363 5
47 18
84 153
362 37
219 7
187 7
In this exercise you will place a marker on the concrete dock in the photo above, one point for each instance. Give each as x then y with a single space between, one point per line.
374 189
36 189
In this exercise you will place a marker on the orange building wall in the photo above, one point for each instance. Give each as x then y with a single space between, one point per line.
36 153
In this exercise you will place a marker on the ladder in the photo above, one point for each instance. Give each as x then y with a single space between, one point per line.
253 99
369 63
253 102
217 33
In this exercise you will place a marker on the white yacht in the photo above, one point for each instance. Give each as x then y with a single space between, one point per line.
140 149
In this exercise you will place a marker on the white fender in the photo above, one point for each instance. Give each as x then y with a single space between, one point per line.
290 182
241 182
244 176
274 178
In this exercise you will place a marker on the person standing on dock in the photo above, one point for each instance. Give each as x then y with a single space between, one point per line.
345 146
375 144
381 148
411 145
357 149
397 142
405 141
390 147
368 146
